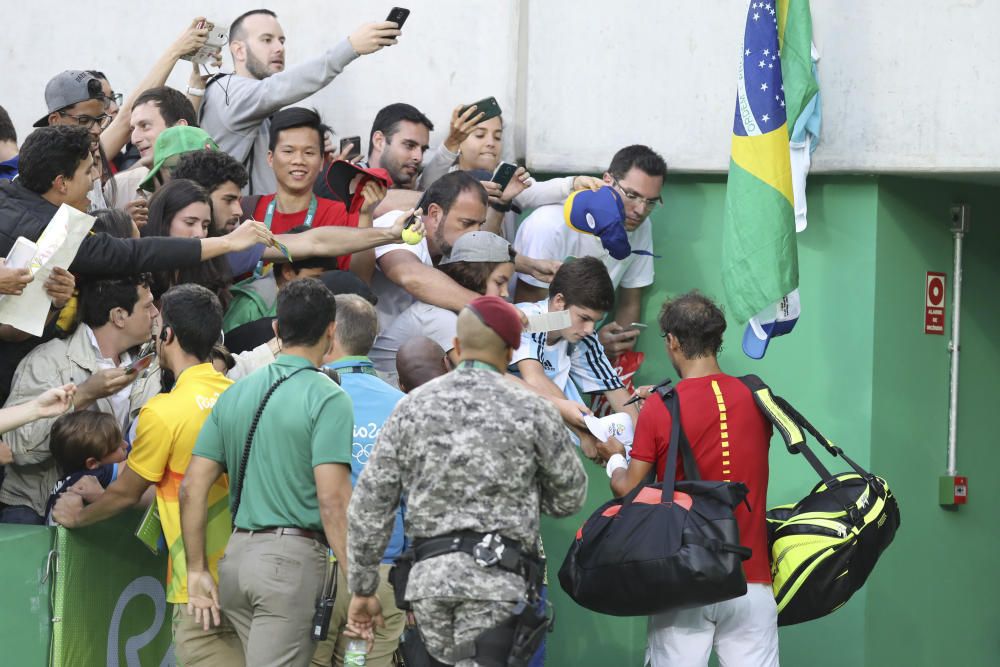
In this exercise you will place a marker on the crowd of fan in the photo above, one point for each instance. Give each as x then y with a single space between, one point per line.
224 248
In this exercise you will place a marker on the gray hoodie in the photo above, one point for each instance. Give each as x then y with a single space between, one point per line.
236 109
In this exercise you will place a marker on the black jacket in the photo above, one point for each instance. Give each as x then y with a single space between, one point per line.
24 213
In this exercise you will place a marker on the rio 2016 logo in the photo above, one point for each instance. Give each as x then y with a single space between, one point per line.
140 587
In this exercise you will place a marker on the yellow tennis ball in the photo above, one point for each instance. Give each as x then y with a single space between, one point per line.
412 237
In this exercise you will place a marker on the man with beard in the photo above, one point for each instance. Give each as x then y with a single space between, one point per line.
223 177
237 106
399 138
454 205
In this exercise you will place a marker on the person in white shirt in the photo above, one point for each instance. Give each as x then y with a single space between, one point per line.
637 174
481 262
565 363
453 206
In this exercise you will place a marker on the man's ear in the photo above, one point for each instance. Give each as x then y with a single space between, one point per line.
270 159
238 50
557 302
608 178
91 463
59 184
378 141
457 346
182 121
117 316
673 344
53 117
274 328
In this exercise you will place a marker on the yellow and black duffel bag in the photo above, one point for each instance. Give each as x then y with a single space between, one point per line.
823 547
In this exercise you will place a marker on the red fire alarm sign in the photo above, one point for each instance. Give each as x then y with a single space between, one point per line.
934 304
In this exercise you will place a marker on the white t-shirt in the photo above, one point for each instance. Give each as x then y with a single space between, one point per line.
393 299
121 400
420 319
584 363
545 235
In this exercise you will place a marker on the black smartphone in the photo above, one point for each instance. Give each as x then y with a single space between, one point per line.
355 152
504 172
488 106
398 15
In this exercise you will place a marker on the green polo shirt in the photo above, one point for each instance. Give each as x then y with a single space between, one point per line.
308 421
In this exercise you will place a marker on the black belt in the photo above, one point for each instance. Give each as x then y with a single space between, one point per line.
295 532
488 549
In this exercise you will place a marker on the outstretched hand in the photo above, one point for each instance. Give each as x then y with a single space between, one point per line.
372 37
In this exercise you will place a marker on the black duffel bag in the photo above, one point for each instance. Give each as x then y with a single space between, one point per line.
663 546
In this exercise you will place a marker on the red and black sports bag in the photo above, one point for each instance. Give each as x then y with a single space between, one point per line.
663 546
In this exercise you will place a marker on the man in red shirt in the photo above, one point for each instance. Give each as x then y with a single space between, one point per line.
296 157
730 438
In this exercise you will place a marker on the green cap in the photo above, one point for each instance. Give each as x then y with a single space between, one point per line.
174 141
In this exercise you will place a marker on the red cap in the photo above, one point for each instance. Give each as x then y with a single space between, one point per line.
339 177
500 316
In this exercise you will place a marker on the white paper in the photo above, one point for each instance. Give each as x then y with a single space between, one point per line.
57 246
618 425
559 319
21 254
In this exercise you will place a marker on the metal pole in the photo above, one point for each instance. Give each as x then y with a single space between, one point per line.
953 347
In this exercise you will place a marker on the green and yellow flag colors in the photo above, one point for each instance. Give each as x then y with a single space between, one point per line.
759 253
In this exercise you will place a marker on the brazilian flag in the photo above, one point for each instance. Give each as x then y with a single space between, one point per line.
760 263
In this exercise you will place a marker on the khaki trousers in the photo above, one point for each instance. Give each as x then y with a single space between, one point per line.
331 651
218 647
268 587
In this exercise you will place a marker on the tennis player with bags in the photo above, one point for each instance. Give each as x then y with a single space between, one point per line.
680 562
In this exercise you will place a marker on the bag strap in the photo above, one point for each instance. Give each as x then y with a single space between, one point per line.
668 394
245 459
790 423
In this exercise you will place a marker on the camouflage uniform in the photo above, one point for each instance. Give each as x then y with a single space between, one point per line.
472 451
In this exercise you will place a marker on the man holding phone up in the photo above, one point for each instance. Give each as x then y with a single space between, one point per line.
237 106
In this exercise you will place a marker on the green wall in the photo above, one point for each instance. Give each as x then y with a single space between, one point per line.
859 366
935 587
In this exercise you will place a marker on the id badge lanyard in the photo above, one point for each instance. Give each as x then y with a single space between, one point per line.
269 215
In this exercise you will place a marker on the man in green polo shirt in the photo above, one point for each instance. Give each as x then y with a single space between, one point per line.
289 499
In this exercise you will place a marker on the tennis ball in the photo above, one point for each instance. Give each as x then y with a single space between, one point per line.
412 237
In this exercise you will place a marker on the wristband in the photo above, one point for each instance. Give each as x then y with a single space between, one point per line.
616 462
197 92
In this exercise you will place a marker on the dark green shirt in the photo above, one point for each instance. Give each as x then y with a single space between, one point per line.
308 421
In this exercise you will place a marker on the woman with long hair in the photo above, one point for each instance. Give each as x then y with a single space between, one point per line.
183 209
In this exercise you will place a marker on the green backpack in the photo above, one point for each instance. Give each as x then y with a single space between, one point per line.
823 547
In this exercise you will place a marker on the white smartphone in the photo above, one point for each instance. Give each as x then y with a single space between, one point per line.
637 325
217 38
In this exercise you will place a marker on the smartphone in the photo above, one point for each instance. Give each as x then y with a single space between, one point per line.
217 38
489 107
398 15
140 364
355 152
504 172
637 325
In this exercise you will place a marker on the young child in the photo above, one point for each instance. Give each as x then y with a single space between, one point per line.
85 444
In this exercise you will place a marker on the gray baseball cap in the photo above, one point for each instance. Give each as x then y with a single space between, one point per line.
66 89
479 247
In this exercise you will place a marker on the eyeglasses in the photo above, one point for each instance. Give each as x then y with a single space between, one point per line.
637 198
83 120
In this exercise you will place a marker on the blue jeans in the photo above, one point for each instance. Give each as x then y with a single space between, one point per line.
21 514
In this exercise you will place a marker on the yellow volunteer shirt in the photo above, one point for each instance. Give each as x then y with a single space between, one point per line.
165 435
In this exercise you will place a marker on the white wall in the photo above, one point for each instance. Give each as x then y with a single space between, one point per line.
907 86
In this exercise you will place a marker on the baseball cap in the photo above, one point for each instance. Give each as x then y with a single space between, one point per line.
499 316
776 320
173 141
339 177
66 89
600 213
479 247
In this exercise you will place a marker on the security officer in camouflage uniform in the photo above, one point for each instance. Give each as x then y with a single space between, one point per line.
477 455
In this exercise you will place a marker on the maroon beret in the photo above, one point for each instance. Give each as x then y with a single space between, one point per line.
500 316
